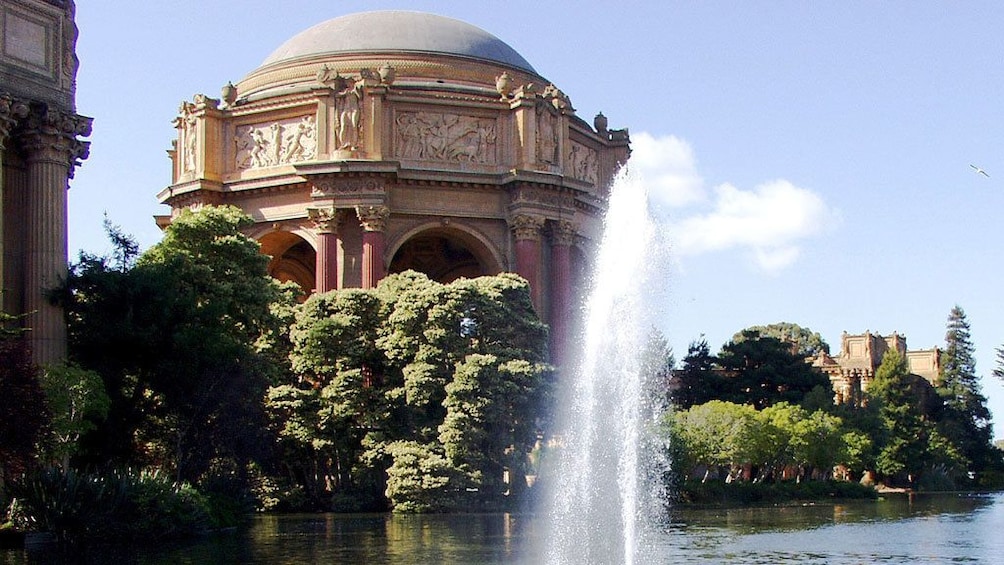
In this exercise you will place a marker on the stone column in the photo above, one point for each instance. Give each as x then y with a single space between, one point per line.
11 110
52 151
526 229
562 237
326 222
373 220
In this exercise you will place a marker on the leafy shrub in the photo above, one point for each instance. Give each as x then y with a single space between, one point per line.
122 505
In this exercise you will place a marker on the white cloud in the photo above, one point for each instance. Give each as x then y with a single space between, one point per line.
669 167
769 223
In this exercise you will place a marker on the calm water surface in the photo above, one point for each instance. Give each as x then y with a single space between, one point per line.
898 529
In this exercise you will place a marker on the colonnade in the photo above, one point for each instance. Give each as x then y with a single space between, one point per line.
528 231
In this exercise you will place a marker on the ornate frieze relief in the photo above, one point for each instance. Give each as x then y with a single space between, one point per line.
432 136
331 185
542 196
278 143
582 162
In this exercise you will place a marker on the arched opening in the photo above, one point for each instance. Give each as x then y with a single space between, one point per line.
444 255
293 259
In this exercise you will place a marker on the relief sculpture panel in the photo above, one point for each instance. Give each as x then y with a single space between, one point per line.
431 136
582 162
278 143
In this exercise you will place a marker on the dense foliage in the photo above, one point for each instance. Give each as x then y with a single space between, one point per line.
754 369
423 393
115 506
176 336
759 411
738 442
24 414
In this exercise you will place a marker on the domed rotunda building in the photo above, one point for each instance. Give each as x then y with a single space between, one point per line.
379 142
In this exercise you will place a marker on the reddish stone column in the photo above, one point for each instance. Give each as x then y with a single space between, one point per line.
562 237
12 192
52 150
373 220
526 230
326 222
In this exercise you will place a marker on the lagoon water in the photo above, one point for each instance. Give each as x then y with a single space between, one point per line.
942 528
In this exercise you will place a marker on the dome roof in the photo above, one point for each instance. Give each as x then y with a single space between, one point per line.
397 31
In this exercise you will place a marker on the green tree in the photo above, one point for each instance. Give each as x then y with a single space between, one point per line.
720 436
77 401
179 337
340 397
965 420
414 377
696 381
805 342
912 444
761 371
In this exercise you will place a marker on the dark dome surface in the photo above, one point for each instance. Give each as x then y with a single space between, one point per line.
397 31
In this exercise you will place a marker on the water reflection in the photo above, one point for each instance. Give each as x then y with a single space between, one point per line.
898 529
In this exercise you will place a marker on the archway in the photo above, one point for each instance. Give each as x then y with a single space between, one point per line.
444 255
292 259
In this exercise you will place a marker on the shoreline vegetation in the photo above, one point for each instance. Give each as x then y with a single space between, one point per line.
744 493
199 389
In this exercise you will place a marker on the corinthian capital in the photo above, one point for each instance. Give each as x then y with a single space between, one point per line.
51 135
563 233
326 220
525 227
11 110
373 218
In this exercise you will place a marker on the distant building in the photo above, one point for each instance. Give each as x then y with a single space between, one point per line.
860 355
379 142
39 149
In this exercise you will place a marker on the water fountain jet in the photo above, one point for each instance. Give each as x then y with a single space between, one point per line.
605 493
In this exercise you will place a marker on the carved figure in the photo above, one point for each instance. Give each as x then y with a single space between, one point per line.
547 136
259 148
348 104
186 123
409 136
296 149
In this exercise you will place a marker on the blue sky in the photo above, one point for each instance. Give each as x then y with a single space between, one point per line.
810 160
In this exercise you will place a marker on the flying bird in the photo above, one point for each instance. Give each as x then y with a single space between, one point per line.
979 171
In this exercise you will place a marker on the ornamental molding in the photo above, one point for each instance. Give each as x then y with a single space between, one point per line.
525 194
331 185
